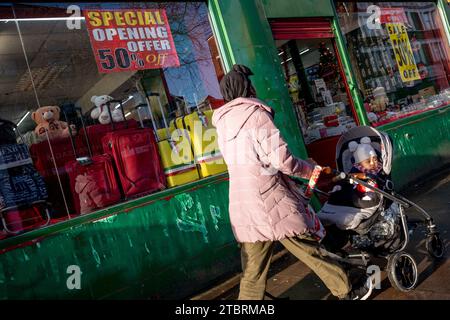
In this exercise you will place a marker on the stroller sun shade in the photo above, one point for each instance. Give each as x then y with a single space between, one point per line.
380 141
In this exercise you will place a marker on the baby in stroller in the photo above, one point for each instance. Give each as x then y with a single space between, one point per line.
349 204
364 216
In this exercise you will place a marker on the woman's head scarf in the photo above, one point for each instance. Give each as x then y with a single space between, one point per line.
236 83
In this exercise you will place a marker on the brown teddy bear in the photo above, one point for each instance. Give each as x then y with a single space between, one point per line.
47 119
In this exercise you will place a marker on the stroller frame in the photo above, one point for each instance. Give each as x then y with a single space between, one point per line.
401 267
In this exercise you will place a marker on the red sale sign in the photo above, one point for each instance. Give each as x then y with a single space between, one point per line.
132 39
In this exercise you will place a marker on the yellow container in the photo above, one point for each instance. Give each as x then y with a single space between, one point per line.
163 134
203 137
178 161
176 155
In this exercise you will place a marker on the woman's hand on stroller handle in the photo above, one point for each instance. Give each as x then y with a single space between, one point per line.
358 175
339 176
327 170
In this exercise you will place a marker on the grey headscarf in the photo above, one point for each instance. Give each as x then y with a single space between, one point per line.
236 83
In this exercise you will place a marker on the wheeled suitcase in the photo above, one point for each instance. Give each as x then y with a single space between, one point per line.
135 153
93 180
93 183
174 150
96 133
50 158
203 137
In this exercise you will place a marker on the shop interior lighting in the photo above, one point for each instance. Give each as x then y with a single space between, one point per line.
127 114
304 51
42 19
23 118
286 60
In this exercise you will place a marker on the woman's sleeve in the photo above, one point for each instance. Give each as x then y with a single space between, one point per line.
276 150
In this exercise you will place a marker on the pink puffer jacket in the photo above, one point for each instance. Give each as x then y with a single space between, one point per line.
264 203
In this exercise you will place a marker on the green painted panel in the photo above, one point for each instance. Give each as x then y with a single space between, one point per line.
421 144
349 74
169 248
444 9
245 31
303 8
446 4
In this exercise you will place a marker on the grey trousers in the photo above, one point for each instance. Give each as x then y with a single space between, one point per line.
256 259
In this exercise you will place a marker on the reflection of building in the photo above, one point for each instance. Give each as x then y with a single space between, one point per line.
371 49
196 69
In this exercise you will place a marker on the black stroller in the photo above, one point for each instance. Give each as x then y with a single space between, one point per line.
383 233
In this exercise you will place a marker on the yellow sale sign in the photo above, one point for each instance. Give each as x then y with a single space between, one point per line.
403 52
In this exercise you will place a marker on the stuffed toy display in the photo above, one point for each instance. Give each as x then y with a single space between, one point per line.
100 112
47 119
380 100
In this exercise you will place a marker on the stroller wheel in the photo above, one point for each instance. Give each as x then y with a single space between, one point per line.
434 246
402 271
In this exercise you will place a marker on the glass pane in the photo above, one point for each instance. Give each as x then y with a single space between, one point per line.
52 89
316 87
400 55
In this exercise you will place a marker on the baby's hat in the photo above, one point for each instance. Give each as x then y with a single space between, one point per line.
361 151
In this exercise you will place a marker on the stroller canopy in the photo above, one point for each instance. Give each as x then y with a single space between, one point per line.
380 141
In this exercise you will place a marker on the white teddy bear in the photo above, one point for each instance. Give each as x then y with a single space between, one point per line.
100 111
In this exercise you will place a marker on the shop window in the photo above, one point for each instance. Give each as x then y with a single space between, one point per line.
315 82
51 68
401 60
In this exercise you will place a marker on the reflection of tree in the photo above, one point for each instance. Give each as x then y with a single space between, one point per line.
190 30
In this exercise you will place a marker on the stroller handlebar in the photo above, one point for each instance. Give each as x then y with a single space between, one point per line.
339 176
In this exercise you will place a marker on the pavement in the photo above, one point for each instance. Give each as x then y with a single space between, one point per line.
290 278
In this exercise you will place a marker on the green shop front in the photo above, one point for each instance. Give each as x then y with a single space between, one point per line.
323 66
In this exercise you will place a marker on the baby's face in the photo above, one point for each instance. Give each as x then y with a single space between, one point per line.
370 164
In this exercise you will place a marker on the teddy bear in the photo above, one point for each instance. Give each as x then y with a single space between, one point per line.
101 113
380 101
47 119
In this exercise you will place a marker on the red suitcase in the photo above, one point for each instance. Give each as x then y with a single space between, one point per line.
62 151
93 183
95 133
44 162
136 156
92 179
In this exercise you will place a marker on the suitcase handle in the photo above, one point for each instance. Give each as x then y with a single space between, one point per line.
166 125
108 104
141 121
78 109
171 142
141 88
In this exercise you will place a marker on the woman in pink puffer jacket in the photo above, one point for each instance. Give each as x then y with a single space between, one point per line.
264 205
